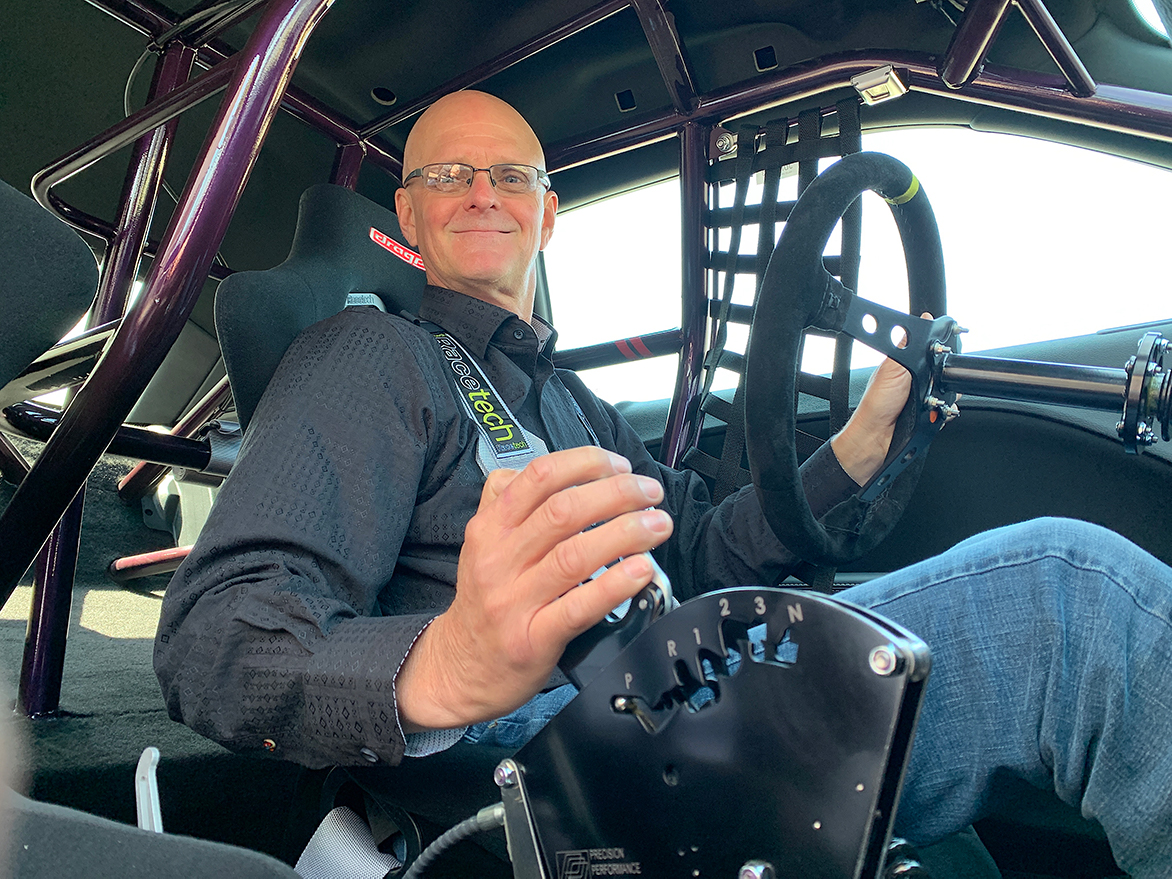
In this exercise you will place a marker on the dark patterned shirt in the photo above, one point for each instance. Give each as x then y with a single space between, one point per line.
334 542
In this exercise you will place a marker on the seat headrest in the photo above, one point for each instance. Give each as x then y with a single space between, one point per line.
48 277
344 243
361 244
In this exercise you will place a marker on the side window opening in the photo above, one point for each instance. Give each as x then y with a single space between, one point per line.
1041 241
614 272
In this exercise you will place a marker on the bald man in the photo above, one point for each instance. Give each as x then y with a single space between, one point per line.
372 585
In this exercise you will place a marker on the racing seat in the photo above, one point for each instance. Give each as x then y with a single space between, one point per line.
43 262
344 244
346 250
46 840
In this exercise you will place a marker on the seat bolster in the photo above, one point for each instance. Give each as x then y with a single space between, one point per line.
264 312
48 276
52 841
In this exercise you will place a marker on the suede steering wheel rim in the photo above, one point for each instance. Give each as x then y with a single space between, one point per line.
798 292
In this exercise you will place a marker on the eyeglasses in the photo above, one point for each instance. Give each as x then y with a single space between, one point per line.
456 177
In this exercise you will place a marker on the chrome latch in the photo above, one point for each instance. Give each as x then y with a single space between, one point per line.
879 85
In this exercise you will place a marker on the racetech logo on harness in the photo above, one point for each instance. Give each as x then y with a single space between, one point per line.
481 402
406 254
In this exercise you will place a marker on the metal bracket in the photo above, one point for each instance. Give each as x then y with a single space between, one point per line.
722 143
520 829
879 85
146 791
1146 396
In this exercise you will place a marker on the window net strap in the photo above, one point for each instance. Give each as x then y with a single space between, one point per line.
770 153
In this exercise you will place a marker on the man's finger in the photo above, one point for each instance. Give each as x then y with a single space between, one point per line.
549 474
494 484
585 605
576 558
580 507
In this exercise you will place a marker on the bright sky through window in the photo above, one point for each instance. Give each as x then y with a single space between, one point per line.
1037 246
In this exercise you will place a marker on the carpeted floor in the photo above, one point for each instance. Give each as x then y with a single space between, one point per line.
111 707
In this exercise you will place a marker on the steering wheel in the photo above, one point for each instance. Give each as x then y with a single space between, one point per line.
798 292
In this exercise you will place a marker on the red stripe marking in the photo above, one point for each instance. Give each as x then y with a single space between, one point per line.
640 347
621 344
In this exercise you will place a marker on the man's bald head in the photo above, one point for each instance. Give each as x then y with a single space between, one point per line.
483 241
488 115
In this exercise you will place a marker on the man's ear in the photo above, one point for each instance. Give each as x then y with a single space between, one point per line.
406 216
547 218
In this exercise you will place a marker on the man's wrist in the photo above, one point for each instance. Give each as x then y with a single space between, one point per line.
425 696
860 455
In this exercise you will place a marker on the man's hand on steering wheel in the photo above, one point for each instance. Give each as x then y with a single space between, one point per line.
862 445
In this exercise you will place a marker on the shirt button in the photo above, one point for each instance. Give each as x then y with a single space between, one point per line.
369 755
518 335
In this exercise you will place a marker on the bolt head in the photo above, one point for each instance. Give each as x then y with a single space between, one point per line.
757 870
505 775
883 660
725 143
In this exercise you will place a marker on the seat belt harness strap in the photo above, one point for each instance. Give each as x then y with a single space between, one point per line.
503 441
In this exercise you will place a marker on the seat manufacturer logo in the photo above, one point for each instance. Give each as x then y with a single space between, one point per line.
406 254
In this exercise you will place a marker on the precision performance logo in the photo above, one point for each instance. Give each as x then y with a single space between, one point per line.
482 403
586 863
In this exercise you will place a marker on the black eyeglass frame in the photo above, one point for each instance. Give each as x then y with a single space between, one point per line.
542 176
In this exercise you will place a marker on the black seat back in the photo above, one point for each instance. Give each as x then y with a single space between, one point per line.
344 243
47 281
53 841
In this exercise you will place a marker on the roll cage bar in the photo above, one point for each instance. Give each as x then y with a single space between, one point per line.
44 515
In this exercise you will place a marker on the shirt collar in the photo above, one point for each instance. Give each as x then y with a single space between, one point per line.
474 322
546 334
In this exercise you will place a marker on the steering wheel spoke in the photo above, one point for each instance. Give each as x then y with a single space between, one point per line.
913 342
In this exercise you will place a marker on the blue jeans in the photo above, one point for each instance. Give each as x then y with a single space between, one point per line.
1051 662
514 730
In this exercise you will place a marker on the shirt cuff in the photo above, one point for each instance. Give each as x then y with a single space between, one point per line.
431 741
428 741
825 482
